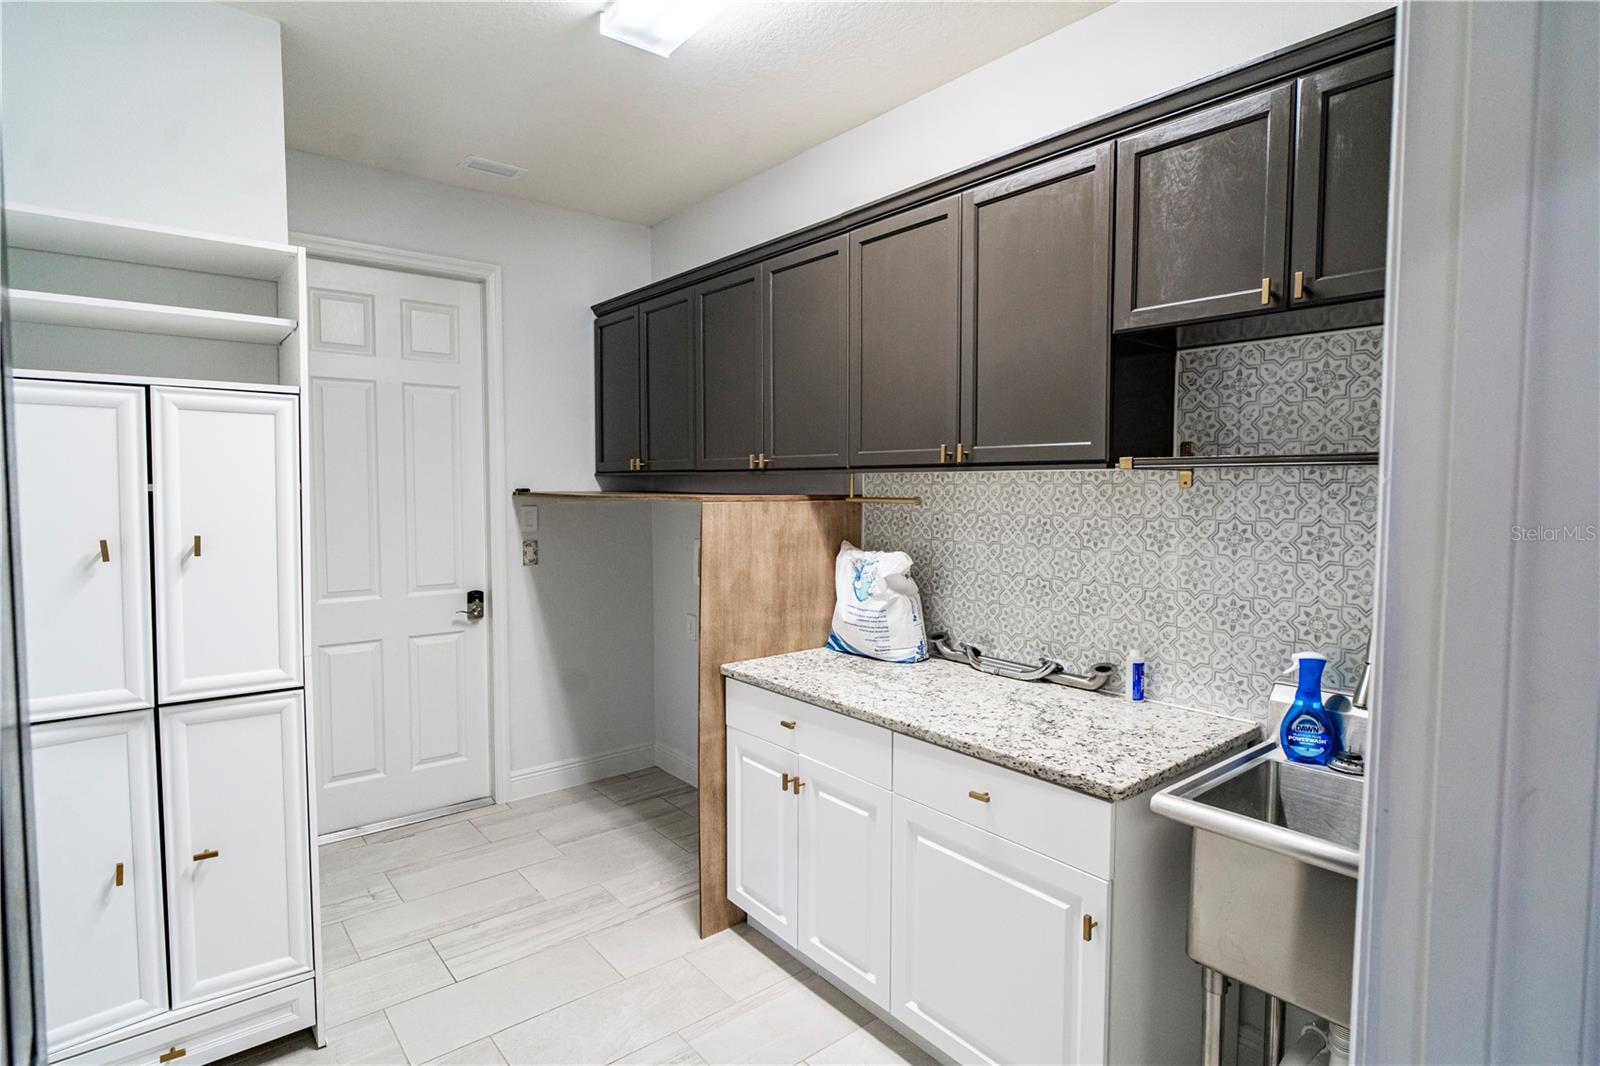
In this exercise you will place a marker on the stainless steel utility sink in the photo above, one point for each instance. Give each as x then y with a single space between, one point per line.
1273 894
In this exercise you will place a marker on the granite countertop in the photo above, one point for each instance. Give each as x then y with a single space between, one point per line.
1104 746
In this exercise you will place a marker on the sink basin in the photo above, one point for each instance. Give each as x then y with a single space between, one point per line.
1272 898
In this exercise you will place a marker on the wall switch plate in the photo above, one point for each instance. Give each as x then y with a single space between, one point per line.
691 627
530 553
528 518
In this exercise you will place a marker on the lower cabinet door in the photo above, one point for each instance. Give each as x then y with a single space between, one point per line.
99 870
844 878
238 863
991 960
762 822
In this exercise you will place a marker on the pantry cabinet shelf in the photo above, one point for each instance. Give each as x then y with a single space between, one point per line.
70 233
94 312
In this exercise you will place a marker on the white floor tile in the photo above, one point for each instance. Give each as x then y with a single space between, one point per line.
407 923
875 1044
464 867
601 857
522 821
422 846
479 1053
780 1025
644 943
459 1014
337 950
405 832
364 1041
373 984
742 962
527 930
348 895
656 885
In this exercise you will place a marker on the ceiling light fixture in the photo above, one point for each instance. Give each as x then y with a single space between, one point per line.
657 26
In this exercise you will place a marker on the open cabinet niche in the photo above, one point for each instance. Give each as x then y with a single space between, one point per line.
638 600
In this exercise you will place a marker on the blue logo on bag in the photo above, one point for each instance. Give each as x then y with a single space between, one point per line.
866 576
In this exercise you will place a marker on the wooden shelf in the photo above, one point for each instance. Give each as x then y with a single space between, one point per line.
48 230
664 497
93 312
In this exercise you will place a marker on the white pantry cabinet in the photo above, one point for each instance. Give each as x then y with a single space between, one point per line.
762 826
99 869
238 843
227 542
85 546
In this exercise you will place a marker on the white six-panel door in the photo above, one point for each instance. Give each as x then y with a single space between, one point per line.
398 539
238 843
844 878
763 876
85 547
990 960
99 870
227 542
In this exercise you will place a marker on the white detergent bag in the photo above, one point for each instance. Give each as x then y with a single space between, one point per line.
877 609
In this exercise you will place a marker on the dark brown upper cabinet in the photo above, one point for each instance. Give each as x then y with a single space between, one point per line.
1203 213
666 329
616 391
806 323
732 426
905 337
1036 280
1341 179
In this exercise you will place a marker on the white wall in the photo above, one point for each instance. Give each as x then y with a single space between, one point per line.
554 264
675 544
163 113
1098 65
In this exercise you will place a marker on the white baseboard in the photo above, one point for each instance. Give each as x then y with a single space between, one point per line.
554 776
678 764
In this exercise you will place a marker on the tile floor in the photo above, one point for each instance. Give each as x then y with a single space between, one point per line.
559 929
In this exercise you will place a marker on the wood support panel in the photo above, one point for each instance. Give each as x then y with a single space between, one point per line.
766 587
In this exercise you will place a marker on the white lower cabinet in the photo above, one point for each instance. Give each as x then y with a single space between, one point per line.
762 830
99 871
214 1034
844 848
238 848
999 952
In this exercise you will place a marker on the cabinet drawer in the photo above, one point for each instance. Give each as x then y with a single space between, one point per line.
844 743
215 1034
1050 819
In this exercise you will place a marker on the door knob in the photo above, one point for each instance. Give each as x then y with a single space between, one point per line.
474 610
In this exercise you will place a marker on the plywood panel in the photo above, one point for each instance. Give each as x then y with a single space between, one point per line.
766 588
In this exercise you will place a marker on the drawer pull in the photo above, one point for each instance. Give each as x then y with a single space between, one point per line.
174 1053
798 785
209 853
981 797
105 551
197 545
786 723
118 879
1266 291
786 782
1088 927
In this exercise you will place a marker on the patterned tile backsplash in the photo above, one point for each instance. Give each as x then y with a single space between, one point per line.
1218 585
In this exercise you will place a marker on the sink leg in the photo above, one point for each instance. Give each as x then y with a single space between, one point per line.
1274 1043
1216 986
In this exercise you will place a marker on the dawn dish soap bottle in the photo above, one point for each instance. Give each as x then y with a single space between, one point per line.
1309 732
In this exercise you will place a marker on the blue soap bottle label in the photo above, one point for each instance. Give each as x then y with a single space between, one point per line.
1309 733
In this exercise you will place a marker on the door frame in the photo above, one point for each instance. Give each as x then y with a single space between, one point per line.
358 253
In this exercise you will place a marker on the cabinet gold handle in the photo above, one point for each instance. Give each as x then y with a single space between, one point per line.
1088 927
174 1053
750 461
798 785
197 545
209 853
1266 291
961 452
786 782
981 797
1299 284
786 723
105 551
118 879
762 460
944 453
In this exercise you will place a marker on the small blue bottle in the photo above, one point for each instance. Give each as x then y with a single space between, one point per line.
1309 733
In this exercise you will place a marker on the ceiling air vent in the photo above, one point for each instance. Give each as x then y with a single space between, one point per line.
491 166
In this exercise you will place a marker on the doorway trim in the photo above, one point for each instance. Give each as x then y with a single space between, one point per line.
496 496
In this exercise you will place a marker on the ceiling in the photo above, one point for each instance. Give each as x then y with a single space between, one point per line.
603 127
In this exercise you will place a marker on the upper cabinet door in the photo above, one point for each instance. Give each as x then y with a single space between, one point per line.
1341 179
227 542
238 847
617 391
1202 213
667 329
99 868
727 313
1036 274
85 543
806 318
905 338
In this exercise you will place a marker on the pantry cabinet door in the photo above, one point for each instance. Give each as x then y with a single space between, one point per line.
666 328
991 963
806 322
85 545
762 829
99 869
845 843
227 536
617 391
238 850
727 320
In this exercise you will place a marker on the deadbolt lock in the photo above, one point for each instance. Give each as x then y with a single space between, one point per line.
474 611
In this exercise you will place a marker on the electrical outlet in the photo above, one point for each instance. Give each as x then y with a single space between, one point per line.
530 553
528 518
